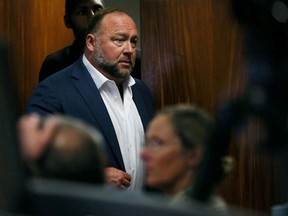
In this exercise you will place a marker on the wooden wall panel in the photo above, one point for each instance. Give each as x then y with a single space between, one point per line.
193 51
187 50
33 29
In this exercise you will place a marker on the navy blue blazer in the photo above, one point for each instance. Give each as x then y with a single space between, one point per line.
72 92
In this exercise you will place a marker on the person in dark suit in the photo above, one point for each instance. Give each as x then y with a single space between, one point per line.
99 90
77 15
76 18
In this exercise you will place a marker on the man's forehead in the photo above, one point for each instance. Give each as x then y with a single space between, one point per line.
118 19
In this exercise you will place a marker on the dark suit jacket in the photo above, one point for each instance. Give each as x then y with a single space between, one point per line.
73 92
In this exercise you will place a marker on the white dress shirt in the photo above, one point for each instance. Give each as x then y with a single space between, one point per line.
126 121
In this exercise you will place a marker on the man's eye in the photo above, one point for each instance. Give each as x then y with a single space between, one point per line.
134 43
118 41
97 8
80 12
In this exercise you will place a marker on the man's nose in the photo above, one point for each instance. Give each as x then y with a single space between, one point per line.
128 48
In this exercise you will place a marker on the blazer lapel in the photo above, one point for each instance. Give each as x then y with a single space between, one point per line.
87 88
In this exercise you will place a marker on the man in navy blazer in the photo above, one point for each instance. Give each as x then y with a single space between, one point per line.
98 89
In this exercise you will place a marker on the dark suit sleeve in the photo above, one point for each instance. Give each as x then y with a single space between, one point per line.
43 101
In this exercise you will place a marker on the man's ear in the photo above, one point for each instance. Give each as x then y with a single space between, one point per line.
67 21
90 39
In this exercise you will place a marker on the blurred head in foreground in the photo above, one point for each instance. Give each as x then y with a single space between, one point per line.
68 149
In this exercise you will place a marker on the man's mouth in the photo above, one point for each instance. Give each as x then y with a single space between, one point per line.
125 63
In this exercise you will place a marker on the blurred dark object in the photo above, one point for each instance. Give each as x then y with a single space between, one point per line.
266 27
11 177
47 197
279 210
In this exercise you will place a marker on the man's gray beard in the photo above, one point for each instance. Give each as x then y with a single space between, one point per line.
109 67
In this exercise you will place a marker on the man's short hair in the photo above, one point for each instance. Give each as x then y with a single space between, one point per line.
95 21
71 4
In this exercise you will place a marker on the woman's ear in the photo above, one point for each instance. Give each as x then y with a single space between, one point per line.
195 157
67 21
228 164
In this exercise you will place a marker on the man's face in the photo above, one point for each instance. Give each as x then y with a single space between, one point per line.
79 19
115 46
